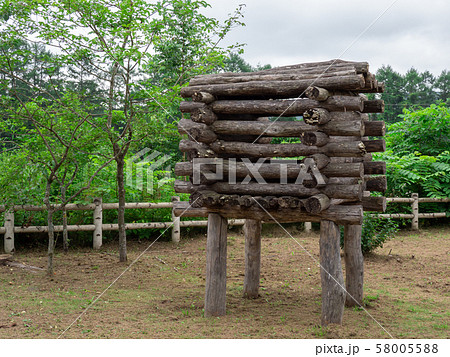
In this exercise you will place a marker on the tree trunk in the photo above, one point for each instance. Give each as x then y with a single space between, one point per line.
252 230
65 232
51 240
121 211
332 279
64 214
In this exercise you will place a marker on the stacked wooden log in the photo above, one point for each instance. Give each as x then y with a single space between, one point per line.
327 174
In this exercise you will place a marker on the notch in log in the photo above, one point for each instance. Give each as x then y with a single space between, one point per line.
317 93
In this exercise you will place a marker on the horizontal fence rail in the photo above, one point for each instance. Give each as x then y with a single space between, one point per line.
98 227
415 215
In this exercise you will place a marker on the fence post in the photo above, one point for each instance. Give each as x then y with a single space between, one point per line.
308 227
175 222
415 212
98 221
9 231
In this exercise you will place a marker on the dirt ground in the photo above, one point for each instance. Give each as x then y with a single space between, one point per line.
407 289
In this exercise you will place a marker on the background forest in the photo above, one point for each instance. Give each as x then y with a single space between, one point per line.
85 86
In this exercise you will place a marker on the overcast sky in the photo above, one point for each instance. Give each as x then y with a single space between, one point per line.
280 32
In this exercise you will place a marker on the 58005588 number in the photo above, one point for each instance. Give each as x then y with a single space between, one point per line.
406 348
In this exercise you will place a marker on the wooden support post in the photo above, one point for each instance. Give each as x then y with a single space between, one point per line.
354 265
9 232
332 280
216 266
98 221
175 223
308 227
415 212
252 231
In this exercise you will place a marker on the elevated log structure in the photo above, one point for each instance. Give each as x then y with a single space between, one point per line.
323 173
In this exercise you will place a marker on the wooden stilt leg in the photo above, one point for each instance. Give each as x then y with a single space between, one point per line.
354 265
332 280
216 266
252 230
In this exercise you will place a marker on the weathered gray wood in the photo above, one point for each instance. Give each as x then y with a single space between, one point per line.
346 191
276 128
354 265
307 227
204 115
332 280
216 266
374 167
375 145
175 223
286 108
373 106
317 203
374 204
270 170
323 66
203 97
196 131
316 116
374 128
375 183
276 89
317 93
196 149
351 169
9 232
340 149
315 138
98 221
252 231
415 211
342 214
282 75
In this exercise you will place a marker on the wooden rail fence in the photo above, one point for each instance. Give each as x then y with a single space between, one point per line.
98 226
414 200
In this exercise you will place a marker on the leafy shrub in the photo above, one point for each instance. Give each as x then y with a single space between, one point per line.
375 231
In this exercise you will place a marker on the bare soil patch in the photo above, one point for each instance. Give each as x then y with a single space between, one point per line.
407 291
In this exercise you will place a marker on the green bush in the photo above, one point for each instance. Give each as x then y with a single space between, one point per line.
375 231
